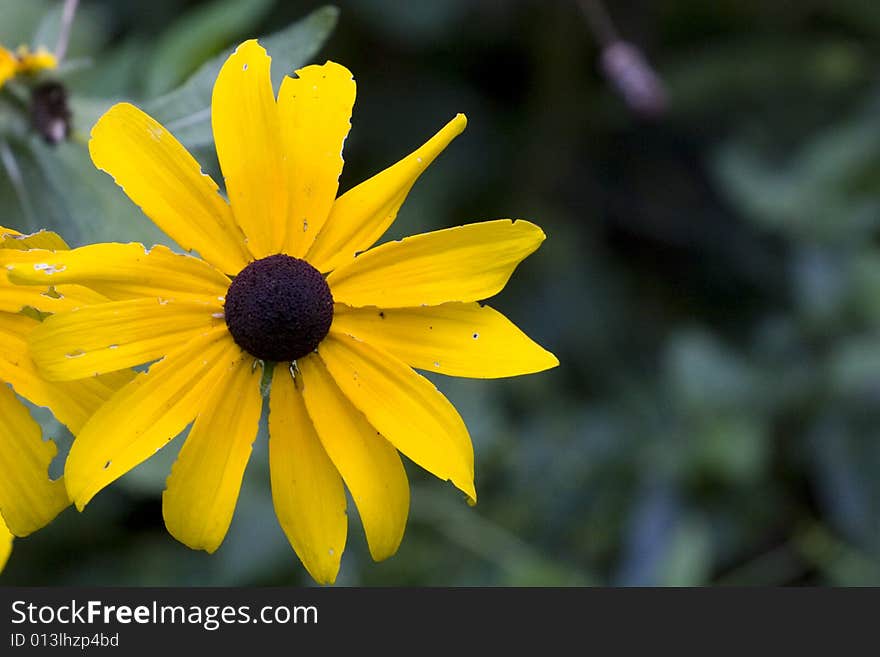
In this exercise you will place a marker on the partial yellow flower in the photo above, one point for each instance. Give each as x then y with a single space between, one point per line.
24 60
29 499
8 65
37 60
287 282
6 539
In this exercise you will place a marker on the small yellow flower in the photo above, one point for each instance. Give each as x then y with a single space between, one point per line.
286 281
8 65
24 60
29 499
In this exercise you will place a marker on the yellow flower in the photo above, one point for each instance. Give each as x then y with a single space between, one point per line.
24 60
29 499
8 65
280 284
6 539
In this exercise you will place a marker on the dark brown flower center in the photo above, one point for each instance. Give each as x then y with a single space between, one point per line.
279 308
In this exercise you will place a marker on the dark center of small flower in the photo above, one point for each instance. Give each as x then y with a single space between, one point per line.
279 308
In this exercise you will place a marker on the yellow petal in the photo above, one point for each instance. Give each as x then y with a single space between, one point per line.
119 271
8 64
31 61
6 536
404 407
458 339
119 334
315 110
29 499
110 383
50 299
307 489
247 133
160 176
14 298
69 297
43 239
360 216
369 465
467 263
72 403
146 414
203 487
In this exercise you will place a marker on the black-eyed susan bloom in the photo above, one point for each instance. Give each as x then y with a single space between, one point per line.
286 281
24 60
29 498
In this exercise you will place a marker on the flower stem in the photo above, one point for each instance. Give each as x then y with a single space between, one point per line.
599 21
66 24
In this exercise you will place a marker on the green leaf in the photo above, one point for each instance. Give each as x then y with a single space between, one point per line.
854 366
864 288
46 34
704 376
688 557
735 72
19 20
117 71
198 35
731 448
81 203
186 111
89 31
845 460
85 113
825 191
25 202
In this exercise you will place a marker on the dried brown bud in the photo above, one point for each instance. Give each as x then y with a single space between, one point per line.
50 113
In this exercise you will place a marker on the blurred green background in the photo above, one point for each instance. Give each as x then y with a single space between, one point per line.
711 282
